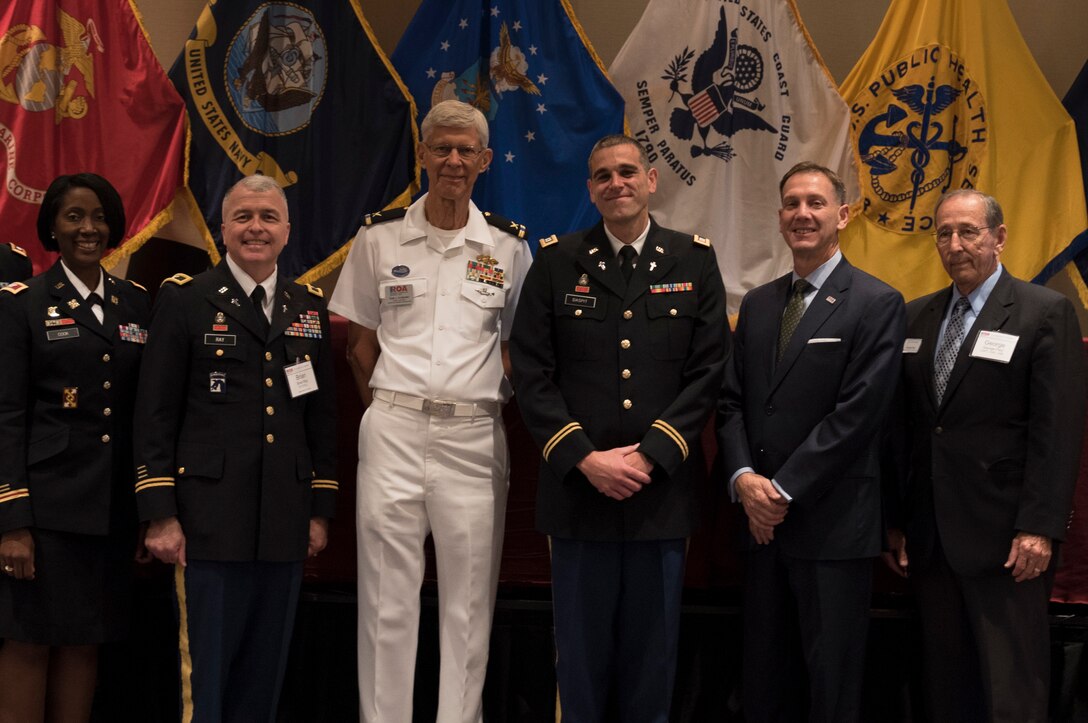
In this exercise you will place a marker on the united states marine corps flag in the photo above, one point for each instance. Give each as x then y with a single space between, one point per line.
528 66
726 97
301 92
948 96
81 90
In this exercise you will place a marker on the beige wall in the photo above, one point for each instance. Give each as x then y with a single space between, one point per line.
1053 29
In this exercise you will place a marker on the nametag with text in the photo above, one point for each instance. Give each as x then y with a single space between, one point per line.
995 346
300 379
911 346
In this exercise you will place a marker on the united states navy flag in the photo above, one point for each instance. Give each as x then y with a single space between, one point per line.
301 92
528 66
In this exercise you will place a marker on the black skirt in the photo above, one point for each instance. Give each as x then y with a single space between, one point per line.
80 595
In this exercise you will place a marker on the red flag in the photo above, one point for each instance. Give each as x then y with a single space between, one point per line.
81 90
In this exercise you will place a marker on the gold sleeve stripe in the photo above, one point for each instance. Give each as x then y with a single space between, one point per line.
14 495
675 436
558 437
154 482
4 488
325 484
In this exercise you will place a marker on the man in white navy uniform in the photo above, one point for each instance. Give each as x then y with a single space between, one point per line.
430 291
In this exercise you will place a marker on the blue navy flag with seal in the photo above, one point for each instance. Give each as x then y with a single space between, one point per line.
299 91
528 66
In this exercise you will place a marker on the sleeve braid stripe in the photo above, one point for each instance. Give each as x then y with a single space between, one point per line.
663 426
558 437
14 495
147 484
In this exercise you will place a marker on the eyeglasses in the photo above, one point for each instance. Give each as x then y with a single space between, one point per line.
967 234
467 153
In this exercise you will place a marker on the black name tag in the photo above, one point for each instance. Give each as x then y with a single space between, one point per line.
58 334
586 302
220 339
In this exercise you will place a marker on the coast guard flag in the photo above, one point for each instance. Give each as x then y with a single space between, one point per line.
81 90
948 96
726 97
301 92
528 67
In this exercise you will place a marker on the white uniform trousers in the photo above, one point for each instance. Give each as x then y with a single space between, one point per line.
420 474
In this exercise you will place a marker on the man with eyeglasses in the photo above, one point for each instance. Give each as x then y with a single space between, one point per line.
993 401
430 290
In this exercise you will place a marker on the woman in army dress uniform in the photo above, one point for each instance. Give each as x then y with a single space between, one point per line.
71 340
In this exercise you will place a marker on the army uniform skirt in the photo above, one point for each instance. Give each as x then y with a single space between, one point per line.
80 595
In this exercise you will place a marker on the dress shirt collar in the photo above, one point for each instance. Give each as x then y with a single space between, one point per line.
637 244
248 284
80 287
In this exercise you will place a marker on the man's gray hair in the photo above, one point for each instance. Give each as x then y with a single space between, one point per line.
994 215
455 114
257 183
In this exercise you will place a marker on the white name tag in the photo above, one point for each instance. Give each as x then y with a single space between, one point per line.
995 346
300 378
911 346
398 294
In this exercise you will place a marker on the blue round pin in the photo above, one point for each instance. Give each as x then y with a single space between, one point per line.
400 271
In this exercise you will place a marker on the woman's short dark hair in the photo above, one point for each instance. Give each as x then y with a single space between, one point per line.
107 196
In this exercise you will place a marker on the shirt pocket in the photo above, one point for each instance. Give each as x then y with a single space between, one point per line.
402 305
671 321
581 331
481 305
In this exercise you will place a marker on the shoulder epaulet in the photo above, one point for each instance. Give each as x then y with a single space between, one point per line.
511 227
141 287
15 248
701 240
15 288
550 241
389 214
315 291
179 279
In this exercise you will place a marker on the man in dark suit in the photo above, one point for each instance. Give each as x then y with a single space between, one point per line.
993 385
618 346
14 264
235 451
814 366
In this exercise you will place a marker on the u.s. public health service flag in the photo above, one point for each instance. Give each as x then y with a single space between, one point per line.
726 97
301 92
529 68
81 91
948 96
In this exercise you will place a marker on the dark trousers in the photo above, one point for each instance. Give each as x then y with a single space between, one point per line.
235 622
805 621
985 642
617 619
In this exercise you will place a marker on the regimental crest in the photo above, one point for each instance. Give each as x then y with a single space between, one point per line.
507 71
922 128
721 99
276 69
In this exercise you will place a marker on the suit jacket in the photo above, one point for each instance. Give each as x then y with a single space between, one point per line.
220 442
810 422
66 398
600 363
14 264
1000 454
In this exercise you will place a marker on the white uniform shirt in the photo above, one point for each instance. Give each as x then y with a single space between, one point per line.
439 329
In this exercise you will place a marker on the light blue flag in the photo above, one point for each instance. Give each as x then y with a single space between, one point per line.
529 68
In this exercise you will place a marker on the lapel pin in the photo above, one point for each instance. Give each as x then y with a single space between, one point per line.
830 299
659 250
72 303
235 302
602 266
593 250
113 300
52 312
59 285
222 289
653 265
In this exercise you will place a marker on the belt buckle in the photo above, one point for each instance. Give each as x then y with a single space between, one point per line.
436 408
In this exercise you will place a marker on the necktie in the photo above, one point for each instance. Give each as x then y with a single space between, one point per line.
627 262
795 309
257 297
94 300
950 347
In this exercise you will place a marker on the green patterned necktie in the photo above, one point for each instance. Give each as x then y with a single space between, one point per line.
795 309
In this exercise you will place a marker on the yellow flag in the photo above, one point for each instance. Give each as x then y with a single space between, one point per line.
948 96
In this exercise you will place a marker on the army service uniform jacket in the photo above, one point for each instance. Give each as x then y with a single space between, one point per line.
220 441
66 398
600 363
14 264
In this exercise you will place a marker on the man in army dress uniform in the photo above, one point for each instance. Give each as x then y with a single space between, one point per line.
14 264
618 350
430 291
235 454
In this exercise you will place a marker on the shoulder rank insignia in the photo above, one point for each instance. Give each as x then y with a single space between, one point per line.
511 227
15 248
388 214
550 241
179 279
315 291
15 288
138 286
701 240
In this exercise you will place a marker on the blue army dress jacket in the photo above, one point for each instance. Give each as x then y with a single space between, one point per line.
601 363
220 441
66 398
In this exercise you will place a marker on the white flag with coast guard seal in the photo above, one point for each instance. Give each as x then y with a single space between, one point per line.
726 96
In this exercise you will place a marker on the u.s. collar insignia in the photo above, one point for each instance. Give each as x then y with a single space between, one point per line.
593 250
52 312
73 304
222 289
114 300
659 250
58 285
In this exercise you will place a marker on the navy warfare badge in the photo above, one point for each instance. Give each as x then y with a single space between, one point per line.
922 129
275 69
